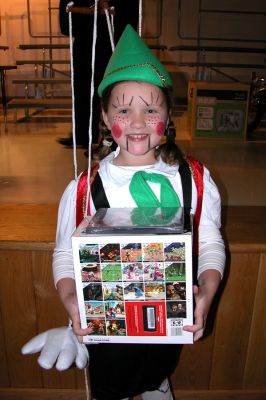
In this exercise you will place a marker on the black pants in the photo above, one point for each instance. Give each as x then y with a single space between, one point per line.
120 370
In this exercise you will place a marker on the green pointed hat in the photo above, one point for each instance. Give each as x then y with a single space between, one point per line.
132 60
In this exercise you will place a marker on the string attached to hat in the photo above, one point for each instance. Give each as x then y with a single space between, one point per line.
140 18
111 35
72 90
94 38
110 25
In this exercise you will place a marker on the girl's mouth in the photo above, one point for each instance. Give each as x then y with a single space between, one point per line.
134 139
137 137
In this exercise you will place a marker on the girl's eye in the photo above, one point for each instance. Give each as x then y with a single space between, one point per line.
151 111
123 111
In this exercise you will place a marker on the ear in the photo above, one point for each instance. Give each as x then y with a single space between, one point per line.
106 120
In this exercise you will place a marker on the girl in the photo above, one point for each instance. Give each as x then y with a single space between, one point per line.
136 102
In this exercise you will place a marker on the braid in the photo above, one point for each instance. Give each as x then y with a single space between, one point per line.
106 145
169 152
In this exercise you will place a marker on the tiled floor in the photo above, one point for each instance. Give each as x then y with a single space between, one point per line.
34 168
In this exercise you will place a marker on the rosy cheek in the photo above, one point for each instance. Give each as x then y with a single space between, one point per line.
160 128
116 131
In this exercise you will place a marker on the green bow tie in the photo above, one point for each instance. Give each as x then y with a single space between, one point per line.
148 202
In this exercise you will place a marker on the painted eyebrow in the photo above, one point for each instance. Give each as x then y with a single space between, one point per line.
144 101
158 96
157 100
152 100
118 102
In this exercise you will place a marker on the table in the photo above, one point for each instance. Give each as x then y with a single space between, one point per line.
3 69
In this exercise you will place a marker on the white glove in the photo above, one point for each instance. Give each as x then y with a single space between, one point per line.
60 346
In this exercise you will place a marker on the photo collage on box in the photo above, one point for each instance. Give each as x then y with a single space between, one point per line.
130 289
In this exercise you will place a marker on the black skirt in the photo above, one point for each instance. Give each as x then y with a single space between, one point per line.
125 370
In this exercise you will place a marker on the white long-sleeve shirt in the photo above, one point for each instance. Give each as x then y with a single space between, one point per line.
116 180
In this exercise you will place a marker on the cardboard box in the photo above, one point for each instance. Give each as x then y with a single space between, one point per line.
133 272
217 109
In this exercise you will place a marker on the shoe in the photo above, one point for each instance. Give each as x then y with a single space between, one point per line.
68 142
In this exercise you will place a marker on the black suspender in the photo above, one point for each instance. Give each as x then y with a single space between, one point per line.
186 181
98 193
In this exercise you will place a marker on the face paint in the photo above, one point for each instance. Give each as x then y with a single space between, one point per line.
153 120
132 140
137 115
160 128
116 131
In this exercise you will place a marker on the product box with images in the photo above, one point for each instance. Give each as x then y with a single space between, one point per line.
133 272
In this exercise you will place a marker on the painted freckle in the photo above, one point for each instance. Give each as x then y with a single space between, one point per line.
153 120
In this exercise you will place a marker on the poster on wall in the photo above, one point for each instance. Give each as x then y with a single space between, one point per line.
218 109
